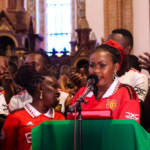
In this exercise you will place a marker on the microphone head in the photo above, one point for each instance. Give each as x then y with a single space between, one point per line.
92 79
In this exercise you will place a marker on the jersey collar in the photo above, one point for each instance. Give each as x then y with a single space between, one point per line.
34 113
111 90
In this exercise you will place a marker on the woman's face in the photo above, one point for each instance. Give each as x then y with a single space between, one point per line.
101 64
50 91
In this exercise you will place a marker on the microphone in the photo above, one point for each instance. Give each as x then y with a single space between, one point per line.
92 80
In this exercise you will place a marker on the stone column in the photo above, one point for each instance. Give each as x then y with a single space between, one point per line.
117 14
3 4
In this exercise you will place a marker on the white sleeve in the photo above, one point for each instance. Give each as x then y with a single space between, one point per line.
141 86
3 105
13 103
63 97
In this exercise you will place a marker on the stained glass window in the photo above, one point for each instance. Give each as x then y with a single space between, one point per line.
58 20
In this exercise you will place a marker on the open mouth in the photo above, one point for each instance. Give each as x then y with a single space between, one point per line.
99 77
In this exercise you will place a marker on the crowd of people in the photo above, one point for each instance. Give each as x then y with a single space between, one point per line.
30 94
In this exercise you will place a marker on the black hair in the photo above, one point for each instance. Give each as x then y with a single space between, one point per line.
44 55
126 33
115 53
14 67
133 62
29 78
2 54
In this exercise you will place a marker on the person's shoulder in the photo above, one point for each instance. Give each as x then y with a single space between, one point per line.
129 90
82 89
17 115
59 116
22 93
2 98
23 96
136 73
1 95
19 111
134 70
63 92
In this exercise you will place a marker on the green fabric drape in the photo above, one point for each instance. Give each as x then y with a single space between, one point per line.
96 135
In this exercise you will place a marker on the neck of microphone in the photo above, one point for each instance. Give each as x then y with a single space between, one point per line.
81 99
92 80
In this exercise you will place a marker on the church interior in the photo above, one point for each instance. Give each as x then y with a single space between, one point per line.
29 25
26 26
73 35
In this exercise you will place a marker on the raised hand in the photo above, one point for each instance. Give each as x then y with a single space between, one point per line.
6 81
79 80
145 61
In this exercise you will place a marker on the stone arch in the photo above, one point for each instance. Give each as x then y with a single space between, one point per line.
83 58
10 36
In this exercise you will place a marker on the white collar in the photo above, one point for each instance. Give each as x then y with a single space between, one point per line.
34 113
111 90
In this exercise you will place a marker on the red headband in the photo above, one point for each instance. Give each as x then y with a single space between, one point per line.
119 48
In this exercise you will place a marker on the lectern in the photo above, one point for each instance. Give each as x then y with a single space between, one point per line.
96 135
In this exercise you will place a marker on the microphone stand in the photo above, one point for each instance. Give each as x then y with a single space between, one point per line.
79 110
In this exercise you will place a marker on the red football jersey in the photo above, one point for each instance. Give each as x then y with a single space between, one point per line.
120 98
16 132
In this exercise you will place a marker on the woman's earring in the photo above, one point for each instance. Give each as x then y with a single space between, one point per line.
114 76
41 94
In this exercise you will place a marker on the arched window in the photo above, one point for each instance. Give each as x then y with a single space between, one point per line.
58 25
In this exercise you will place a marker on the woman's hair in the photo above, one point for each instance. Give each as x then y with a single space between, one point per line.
29 78
115 49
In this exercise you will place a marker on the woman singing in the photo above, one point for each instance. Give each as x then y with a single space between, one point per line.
105 62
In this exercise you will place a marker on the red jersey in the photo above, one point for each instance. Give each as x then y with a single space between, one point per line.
16 132
120 98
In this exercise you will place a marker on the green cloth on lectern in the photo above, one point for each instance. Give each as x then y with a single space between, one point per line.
96 135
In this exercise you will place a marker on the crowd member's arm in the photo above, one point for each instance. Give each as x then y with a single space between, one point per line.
2 121
130 106
145 116
78 80
17 88
6 80
9 133
141 86
145 61
3 110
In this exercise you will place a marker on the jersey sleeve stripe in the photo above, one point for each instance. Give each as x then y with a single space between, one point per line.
16 110
131 91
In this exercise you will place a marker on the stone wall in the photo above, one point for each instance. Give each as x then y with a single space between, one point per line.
117 14
3 4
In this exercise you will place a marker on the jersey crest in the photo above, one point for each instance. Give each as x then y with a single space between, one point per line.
58 108
111 104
